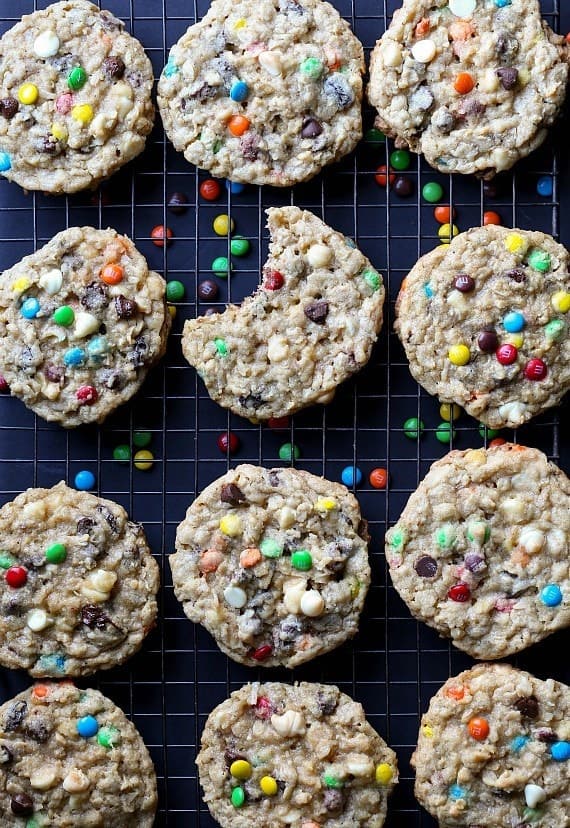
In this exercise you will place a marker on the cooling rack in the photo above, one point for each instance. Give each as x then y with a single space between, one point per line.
395 665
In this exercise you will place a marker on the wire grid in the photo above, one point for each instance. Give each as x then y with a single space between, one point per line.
395 664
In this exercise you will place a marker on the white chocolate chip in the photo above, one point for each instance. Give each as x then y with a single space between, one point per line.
514 509
286 517
513 413
533 795
531 540
34 511
102 580
122 98
462 8
319 255
38 620
391 53
291 723
76 781
235 597
103 123
478 530
188 69
293 591
51 281
44 778
424 51
94 595
51 390
457 300
271 62
277 349
358 764
489 81
312 603
46 44
85 325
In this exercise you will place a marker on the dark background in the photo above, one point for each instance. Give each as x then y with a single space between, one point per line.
395 665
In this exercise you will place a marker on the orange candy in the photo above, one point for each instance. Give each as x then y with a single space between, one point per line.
456 693
40 691
461 30
478 728
422 28
443 214
464 83
378 478
381 178
112 274
238 124
250 557
491 218
498 441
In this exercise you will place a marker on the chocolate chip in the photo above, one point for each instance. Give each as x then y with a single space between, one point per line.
8 107
37 729
212 311
252 401
291 7
508 77
317 311
506 46
336 568
527 706
232 494
48 146
311 128
54 373
426 567
333 799
109 517
474 562
137 355
516 274
126 308
274 478
232 755
443 120
5 755
205 92
114 67
249 146
403 186
64 63
178 203
95 296
362 530
336 87
327 704
112 380
93 617
464 283
84 524
421 100
488 341
545 734
208 290
15 715
22 805
109 21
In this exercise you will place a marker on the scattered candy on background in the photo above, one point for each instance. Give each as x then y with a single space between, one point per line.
85 480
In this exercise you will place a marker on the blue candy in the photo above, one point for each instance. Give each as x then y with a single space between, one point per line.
502 3
52 664
513 322
428 290
87 726
74 356
551 595
84 480
457 792
518 743
545 186
560 751
30 308
235 187
5 162
98 346
351 476
239 91
170 69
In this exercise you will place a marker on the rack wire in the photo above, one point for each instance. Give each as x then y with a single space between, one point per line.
395 664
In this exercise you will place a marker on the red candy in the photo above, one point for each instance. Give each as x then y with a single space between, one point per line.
64 103
87 395
159 234
16 576
3 384
263 708
459 593
535 369
506 354
278 423
381 178
210 189
228 440
273 280
261 653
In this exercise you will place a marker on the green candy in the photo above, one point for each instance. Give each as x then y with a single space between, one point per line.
444 432
372 279
269 548
221 267
239 246
142 439
478 532
332 781
554 329
77 78
312 68
109 736
532 814
432 192
237 797
302 560
6 560
217 145
288 451
397 538
488 433
122 454
400 160
445 536
56 553
174 291
413 428
221 346
539 260
374 136
64 316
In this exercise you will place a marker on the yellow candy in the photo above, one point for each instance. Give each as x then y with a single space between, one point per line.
172 311
59 132
427 730
445 412
240 24
230 525
21 284
144 460
476 456
325 504
268 785
240 769
459 354
223 224
82 113
515 243
355 588
561 301
515 339
384 773
447 231
28 93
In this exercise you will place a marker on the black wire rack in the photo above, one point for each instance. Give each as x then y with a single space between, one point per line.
395 664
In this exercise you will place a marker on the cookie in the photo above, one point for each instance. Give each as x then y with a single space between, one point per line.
71 758
79 584
75 98
472 85
310 325
81 322
484 323
274 563
493 749
264 92
303 755
480 551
